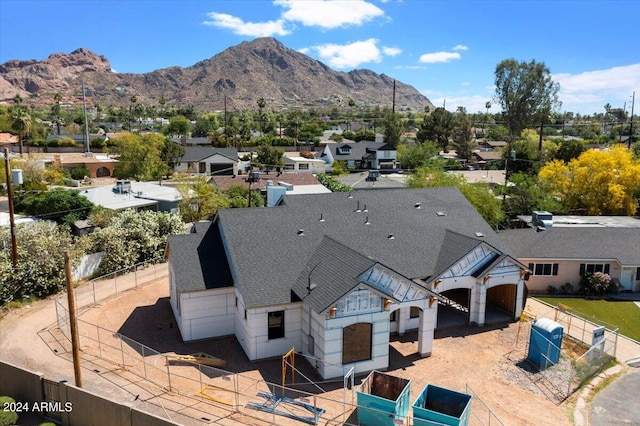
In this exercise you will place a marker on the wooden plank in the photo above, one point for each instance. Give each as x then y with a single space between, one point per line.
197 358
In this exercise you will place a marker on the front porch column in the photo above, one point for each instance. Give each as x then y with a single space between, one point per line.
519 297
426 329
402 320
478 304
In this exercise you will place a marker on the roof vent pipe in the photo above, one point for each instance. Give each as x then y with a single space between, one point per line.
391 237
418 206
321 218
358 209
350 196
301 232
365 209
366 222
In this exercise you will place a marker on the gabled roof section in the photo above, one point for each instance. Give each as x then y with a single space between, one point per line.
387 147
583 243
332 271
453 248
198 259
192 154
268 254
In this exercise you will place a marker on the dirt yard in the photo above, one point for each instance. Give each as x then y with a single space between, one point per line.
483 361
482 358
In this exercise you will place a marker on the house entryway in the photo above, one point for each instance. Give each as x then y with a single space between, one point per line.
455 311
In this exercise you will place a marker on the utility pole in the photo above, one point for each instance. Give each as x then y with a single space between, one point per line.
393 104
73 320
12 220
631 135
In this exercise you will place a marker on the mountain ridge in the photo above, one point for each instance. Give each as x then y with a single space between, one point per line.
238 75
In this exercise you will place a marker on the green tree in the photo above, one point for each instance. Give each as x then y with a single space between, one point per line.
393 128
526 92
80 172
21 120
178 126
60 205
135 237
139 156
498 133
56 112
200 200
528 193
42 243
171 153
570 149
415 155
462 136
479 195
238 197
437 127
269 157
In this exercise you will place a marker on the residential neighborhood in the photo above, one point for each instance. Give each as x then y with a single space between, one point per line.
310 213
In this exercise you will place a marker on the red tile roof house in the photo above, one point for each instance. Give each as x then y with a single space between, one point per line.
333 275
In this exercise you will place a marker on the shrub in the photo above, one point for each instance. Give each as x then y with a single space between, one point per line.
332 183
566 288
80 172
98 143
55 175
65 142
596 284
7 418
339 168
551 290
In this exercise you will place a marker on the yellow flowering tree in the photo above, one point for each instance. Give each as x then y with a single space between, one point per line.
597 182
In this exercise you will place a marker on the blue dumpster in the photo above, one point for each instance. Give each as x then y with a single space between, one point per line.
382 399
545 343
441 406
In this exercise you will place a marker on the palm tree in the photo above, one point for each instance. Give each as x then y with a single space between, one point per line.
261 104
162 101
133 99
21 120
56 116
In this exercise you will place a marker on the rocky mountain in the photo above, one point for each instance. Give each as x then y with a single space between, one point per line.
243 73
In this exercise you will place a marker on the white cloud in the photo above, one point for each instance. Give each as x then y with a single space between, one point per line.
329 13
349 55
304 50
438 57
589 91
465 83
253 29
391 51
409 67
460 47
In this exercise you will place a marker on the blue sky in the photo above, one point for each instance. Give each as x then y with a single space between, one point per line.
448 50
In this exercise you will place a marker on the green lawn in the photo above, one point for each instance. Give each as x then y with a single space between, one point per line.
624 315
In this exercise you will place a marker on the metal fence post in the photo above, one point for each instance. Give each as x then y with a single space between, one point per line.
144 364
166 360
99 342
615 342
121 348
135 276
93 290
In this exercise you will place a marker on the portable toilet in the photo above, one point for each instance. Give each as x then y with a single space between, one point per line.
382 399
441 406
545 343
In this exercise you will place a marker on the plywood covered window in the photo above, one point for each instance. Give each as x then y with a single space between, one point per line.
356 342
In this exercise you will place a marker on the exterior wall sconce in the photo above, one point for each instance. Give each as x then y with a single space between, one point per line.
432 300
523 273
387 303
332 312
437 282
486 279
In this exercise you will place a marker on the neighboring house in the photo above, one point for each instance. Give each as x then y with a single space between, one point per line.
303 165
208 160
7 139
79 139
361 155
100 165
487 157
125 194
560 255
333 275
486 145
198 142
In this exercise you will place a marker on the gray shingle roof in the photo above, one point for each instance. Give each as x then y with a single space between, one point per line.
585 243
197 153
198 259
358 150
268 256
333 270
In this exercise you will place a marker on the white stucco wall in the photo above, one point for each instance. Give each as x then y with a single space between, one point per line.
568 272
253 335
207 313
